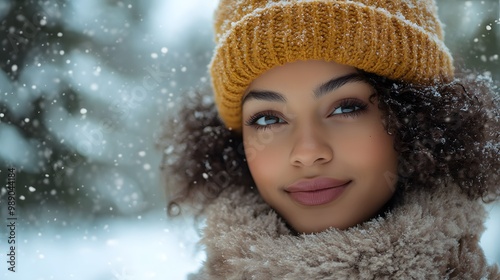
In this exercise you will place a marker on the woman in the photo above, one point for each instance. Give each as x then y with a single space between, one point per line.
340 145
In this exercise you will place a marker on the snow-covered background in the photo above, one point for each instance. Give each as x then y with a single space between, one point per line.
84 88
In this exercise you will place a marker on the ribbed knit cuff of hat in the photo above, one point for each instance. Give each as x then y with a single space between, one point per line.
400 40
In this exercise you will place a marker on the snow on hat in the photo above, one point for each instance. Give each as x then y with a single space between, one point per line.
401 40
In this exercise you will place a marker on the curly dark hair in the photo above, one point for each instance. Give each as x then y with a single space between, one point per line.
445 133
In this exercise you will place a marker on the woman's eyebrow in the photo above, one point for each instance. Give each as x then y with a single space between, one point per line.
335 83
265 95
331 85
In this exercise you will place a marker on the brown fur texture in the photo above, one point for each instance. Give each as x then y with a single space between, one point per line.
434 234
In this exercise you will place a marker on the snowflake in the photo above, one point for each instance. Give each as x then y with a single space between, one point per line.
123 275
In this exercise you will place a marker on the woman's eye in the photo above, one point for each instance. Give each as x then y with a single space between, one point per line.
268 120
346 109
349 107
265 120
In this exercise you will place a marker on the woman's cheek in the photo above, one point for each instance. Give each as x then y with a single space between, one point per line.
264 161
367 147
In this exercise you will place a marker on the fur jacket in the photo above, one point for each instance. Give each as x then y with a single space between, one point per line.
432 235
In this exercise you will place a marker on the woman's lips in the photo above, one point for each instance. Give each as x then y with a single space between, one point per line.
317 191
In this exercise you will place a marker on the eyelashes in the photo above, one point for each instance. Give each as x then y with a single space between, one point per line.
265 119
347 108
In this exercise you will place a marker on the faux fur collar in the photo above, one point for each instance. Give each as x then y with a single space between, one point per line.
431 236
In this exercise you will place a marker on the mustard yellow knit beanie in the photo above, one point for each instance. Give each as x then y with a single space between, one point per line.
398 39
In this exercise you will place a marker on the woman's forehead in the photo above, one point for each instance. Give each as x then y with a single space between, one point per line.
300 72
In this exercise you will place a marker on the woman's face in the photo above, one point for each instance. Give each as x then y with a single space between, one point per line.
316 146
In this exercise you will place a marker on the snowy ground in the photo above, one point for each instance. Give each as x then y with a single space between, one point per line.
143 247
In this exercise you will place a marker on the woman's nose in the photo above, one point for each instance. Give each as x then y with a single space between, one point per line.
310 147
